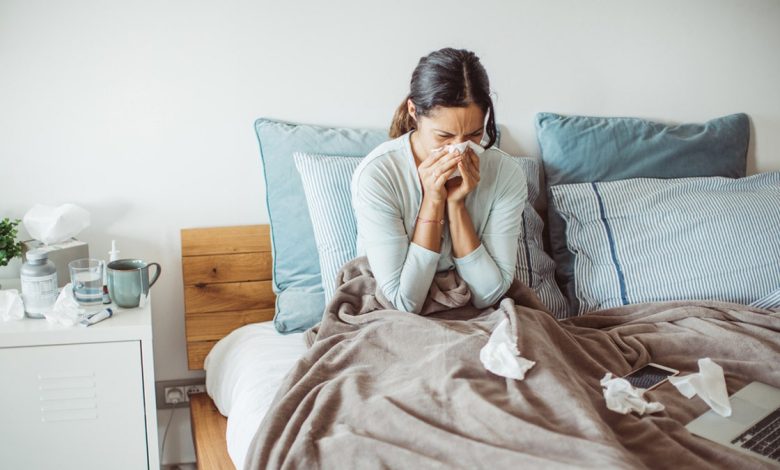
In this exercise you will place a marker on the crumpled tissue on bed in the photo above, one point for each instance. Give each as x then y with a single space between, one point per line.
622 397
500 355
459 149
709 383
11 306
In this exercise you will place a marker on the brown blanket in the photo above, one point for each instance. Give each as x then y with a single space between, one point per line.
380 388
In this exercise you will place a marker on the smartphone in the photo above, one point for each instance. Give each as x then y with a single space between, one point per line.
650 376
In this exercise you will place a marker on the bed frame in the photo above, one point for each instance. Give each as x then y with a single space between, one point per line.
227 284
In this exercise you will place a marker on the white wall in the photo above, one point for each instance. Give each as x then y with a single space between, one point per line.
142 111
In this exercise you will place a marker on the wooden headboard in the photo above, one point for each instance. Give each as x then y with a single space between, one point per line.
227 283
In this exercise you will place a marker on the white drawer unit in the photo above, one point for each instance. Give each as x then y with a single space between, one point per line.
75 397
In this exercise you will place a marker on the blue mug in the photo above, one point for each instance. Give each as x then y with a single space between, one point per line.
128 280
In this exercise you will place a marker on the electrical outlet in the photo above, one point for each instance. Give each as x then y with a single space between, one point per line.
176 393
190 389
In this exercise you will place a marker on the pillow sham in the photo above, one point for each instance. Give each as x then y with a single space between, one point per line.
583 149
535 268
648 240
770 301
326 182
296 269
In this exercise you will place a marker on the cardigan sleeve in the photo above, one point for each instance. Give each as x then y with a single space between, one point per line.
490 268
403 270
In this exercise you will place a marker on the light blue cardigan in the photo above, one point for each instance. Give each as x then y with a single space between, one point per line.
386 196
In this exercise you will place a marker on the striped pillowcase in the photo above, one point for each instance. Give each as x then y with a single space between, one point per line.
647 240
768 302
326 183
535 268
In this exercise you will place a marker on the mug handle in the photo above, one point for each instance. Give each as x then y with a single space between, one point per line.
156 274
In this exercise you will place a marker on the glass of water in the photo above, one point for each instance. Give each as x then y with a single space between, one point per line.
86 276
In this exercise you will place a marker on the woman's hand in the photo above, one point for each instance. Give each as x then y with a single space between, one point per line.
458 188
434 172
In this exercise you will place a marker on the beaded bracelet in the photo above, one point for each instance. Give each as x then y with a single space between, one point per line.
430 221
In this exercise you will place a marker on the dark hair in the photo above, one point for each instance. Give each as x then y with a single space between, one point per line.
449 78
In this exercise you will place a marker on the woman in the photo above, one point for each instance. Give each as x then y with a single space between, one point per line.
415 219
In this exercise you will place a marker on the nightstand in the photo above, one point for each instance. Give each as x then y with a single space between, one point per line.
76 397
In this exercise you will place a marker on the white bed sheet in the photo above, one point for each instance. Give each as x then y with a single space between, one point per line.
243 373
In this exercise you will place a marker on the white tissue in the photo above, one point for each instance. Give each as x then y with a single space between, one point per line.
51 224
11 306
500 355
709 383
66 311
460 149
622 397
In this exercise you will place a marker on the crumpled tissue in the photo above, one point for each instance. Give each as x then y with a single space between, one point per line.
622 397
66 311
460 149
500 355
51 224
709 383
11 306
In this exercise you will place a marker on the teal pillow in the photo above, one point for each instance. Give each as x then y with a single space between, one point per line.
296 269
583 149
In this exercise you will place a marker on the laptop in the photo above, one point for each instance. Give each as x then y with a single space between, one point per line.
754 424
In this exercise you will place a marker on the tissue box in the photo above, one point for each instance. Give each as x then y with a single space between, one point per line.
60 254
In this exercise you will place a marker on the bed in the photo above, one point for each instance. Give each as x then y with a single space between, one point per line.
319 399
226 273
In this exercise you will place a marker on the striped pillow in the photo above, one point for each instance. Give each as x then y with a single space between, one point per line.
326 182
769 302
648 240
535 268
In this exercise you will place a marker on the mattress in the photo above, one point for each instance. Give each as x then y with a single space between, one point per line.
243 372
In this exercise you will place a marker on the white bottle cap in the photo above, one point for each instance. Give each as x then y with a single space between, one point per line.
113 255
37 255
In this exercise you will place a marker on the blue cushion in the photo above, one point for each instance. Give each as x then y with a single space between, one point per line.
326 182
296 271
647 240
581 149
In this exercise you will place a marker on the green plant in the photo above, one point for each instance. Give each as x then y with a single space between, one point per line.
9 247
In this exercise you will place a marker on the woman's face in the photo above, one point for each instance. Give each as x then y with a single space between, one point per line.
444 126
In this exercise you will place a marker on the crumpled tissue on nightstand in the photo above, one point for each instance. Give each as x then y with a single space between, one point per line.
66 311
11 306
500 355
709 383
622 397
